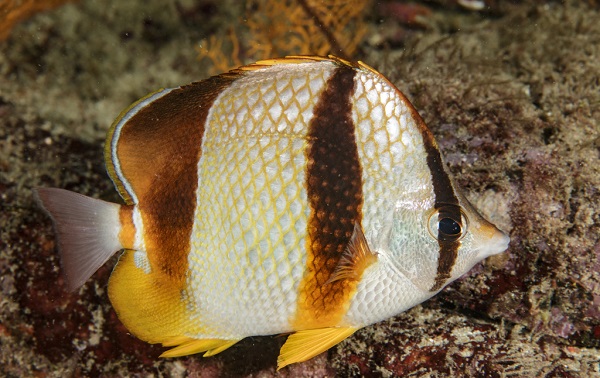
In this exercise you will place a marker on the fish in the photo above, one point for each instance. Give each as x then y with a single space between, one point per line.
301 195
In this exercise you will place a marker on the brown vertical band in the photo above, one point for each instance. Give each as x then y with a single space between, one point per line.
334 191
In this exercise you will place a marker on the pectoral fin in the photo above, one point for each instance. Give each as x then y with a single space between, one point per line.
193 346
357 257
303 345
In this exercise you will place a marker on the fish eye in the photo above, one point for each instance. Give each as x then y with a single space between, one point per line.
448 223
449 226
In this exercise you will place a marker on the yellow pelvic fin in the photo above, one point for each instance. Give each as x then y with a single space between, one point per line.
357 257
304 345
193 346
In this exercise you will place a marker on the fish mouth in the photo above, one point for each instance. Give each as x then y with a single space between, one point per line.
498 243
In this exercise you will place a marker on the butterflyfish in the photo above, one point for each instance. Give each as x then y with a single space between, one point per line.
301 196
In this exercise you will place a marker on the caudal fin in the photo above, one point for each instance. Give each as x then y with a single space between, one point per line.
87 231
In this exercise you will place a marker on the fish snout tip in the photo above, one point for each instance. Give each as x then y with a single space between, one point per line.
499 243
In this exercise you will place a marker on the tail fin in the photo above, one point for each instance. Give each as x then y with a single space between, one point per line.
87 231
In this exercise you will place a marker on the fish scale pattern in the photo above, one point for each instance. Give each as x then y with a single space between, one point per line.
248 240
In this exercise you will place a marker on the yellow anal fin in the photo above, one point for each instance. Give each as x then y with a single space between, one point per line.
193 346
304 345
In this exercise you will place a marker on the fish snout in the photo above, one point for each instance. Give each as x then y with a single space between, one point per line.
497 243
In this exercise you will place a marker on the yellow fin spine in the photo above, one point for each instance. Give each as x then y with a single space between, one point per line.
193 346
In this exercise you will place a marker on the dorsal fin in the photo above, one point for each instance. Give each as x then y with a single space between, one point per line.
357 257
296 59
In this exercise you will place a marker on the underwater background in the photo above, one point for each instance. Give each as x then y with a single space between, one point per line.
511 90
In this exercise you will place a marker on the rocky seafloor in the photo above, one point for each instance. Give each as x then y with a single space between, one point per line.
512 94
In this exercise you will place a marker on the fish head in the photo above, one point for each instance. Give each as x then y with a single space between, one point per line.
433 244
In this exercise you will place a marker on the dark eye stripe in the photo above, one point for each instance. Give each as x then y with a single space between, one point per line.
444 197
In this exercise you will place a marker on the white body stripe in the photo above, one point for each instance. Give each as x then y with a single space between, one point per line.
140 256
395 175
248 240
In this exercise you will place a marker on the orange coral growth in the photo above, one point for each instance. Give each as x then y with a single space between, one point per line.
223 54
14 11
290 27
